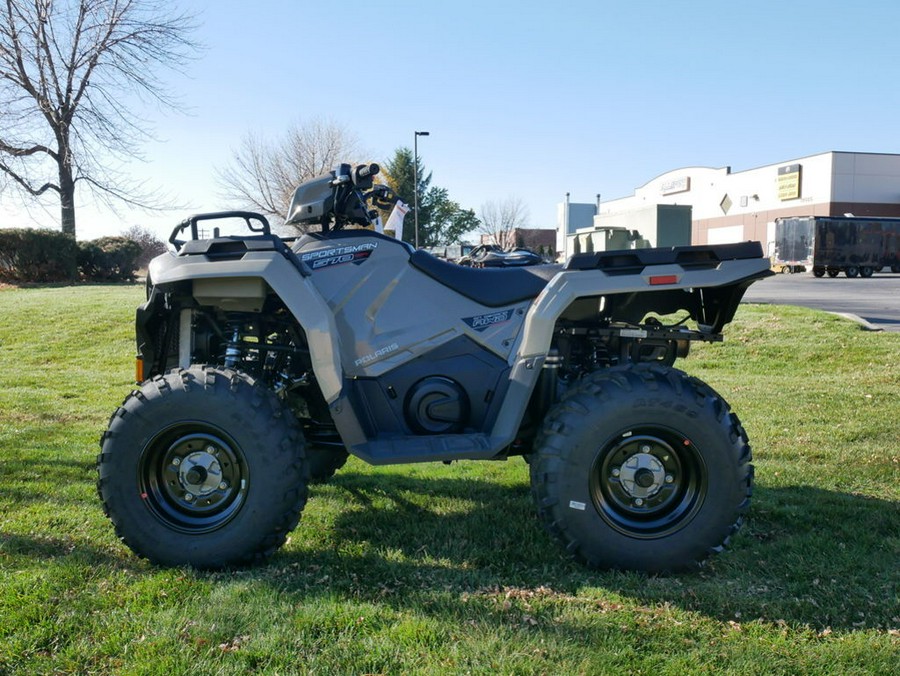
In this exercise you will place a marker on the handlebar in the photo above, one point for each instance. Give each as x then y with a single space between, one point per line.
364 170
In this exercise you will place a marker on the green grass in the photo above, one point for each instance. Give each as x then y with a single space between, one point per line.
433 569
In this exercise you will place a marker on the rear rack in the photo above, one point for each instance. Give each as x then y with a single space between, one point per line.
632 261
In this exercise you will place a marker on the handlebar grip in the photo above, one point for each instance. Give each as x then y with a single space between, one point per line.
368 170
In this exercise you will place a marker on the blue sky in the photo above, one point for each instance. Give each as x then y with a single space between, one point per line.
524 99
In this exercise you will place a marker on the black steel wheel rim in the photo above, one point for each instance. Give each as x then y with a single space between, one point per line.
648 482
193 477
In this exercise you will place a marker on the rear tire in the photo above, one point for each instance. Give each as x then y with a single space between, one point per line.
203 467
851 271
866 271
642 468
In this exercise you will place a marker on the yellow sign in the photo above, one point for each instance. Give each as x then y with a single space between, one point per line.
789 182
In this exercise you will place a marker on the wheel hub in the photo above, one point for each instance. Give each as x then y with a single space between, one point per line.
642 475
200 473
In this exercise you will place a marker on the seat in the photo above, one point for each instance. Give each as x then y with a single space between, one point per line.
493 287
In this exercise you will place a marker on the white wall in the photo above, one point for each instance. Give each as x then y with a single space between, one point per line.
864 177
734 233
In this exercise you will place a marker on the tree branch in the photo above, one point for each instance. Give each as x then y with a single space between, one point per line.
24 184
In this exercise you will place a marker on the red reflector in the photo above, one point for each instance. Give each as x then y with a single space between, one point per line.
663 279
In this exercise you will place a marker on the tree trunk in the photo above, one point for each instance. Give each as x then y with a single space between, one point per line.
67 200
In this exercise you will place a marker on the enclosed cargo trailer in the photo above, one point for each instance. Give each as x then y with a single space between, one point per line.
858 247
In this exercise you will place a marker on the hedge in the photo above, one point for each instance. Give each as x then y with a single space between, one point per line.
37 256
108 259
33 255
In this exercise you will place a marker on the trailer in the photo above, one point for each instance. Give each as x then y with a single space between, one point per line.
830 245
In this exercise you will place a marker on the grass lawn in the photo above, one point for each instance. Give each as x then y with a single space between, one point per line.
439 569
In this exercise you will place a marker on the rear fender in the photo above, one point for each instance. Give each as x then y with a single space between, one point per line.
710 294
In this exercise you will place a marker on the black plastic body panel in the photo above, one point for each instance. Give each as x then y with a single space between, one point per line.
384 401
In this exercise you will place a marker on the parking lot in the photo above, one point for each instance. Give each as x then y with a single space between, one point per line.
875 300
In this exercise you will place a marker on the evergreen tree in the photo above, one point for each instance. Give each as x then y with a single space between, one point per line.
448 223
441 220
399 174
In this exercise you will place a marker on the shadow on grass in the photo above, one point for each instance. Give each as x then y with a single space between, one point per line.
49 549
806 556
32 477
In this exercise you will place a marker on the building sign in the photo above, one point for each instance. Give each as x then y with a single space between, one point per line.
675 185
789 182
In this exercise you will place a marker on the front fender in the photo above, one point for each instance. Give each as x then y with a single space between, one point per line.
295 290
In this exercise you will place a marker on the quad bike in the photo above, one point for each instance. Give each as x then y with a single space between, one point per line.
265 361
494 256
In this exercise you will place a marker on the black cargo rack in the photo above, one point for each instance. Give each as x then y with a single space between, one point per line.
631 261
191 222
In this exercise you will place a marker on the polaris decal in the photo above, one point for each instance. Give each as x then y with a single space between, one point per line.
325 258
482 322
365 359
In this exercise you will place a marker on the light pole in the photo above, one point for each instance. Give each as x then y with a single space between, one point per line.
416 181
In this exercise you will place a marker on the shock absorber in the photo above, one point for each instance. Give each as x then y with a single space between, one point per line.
233 346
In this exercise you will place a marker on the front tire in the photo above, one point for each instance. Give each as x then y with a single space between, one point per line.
324 462
203 467
642 468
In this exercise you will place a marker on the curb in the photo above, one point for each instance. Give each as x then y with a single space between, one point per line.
859 320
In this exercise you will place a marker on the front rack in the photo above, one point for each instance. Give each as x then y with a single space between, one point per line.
248 216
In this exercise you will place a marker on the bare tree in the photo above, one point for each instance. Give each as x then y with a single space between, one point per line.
68 70
151 245
263 174
499 220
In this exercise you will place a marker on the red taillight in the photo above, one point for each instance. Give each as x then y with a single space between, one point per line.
663 279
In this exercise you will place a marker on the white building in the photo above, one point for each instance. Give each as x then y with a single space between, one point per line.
735 206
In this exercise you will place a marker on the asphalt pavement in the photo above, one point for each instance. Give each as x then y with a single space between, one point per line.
876 300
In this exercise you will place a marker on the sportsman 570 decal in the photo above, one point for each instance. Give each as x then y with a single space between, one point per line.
325 258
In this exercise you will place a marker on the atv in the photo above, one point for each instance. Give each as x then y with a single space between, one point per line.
264 361
494 256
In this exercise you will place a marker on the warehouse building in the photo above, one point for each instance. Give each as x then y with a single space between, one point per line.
728 206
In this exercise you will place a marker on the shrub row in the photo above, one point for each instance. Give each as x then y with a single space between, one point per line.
49 256
109 259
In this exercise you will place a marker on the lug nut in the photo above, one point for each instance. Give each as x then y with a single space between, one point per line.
638 502
669 478
645 449
189 497
616 471
176 461
223 485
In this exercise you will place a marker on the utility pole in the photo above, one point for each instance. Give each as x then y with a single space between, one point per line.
416 180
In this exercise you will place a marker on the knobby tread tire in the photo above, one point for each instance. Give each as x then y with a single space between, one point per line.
601 410
269 440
